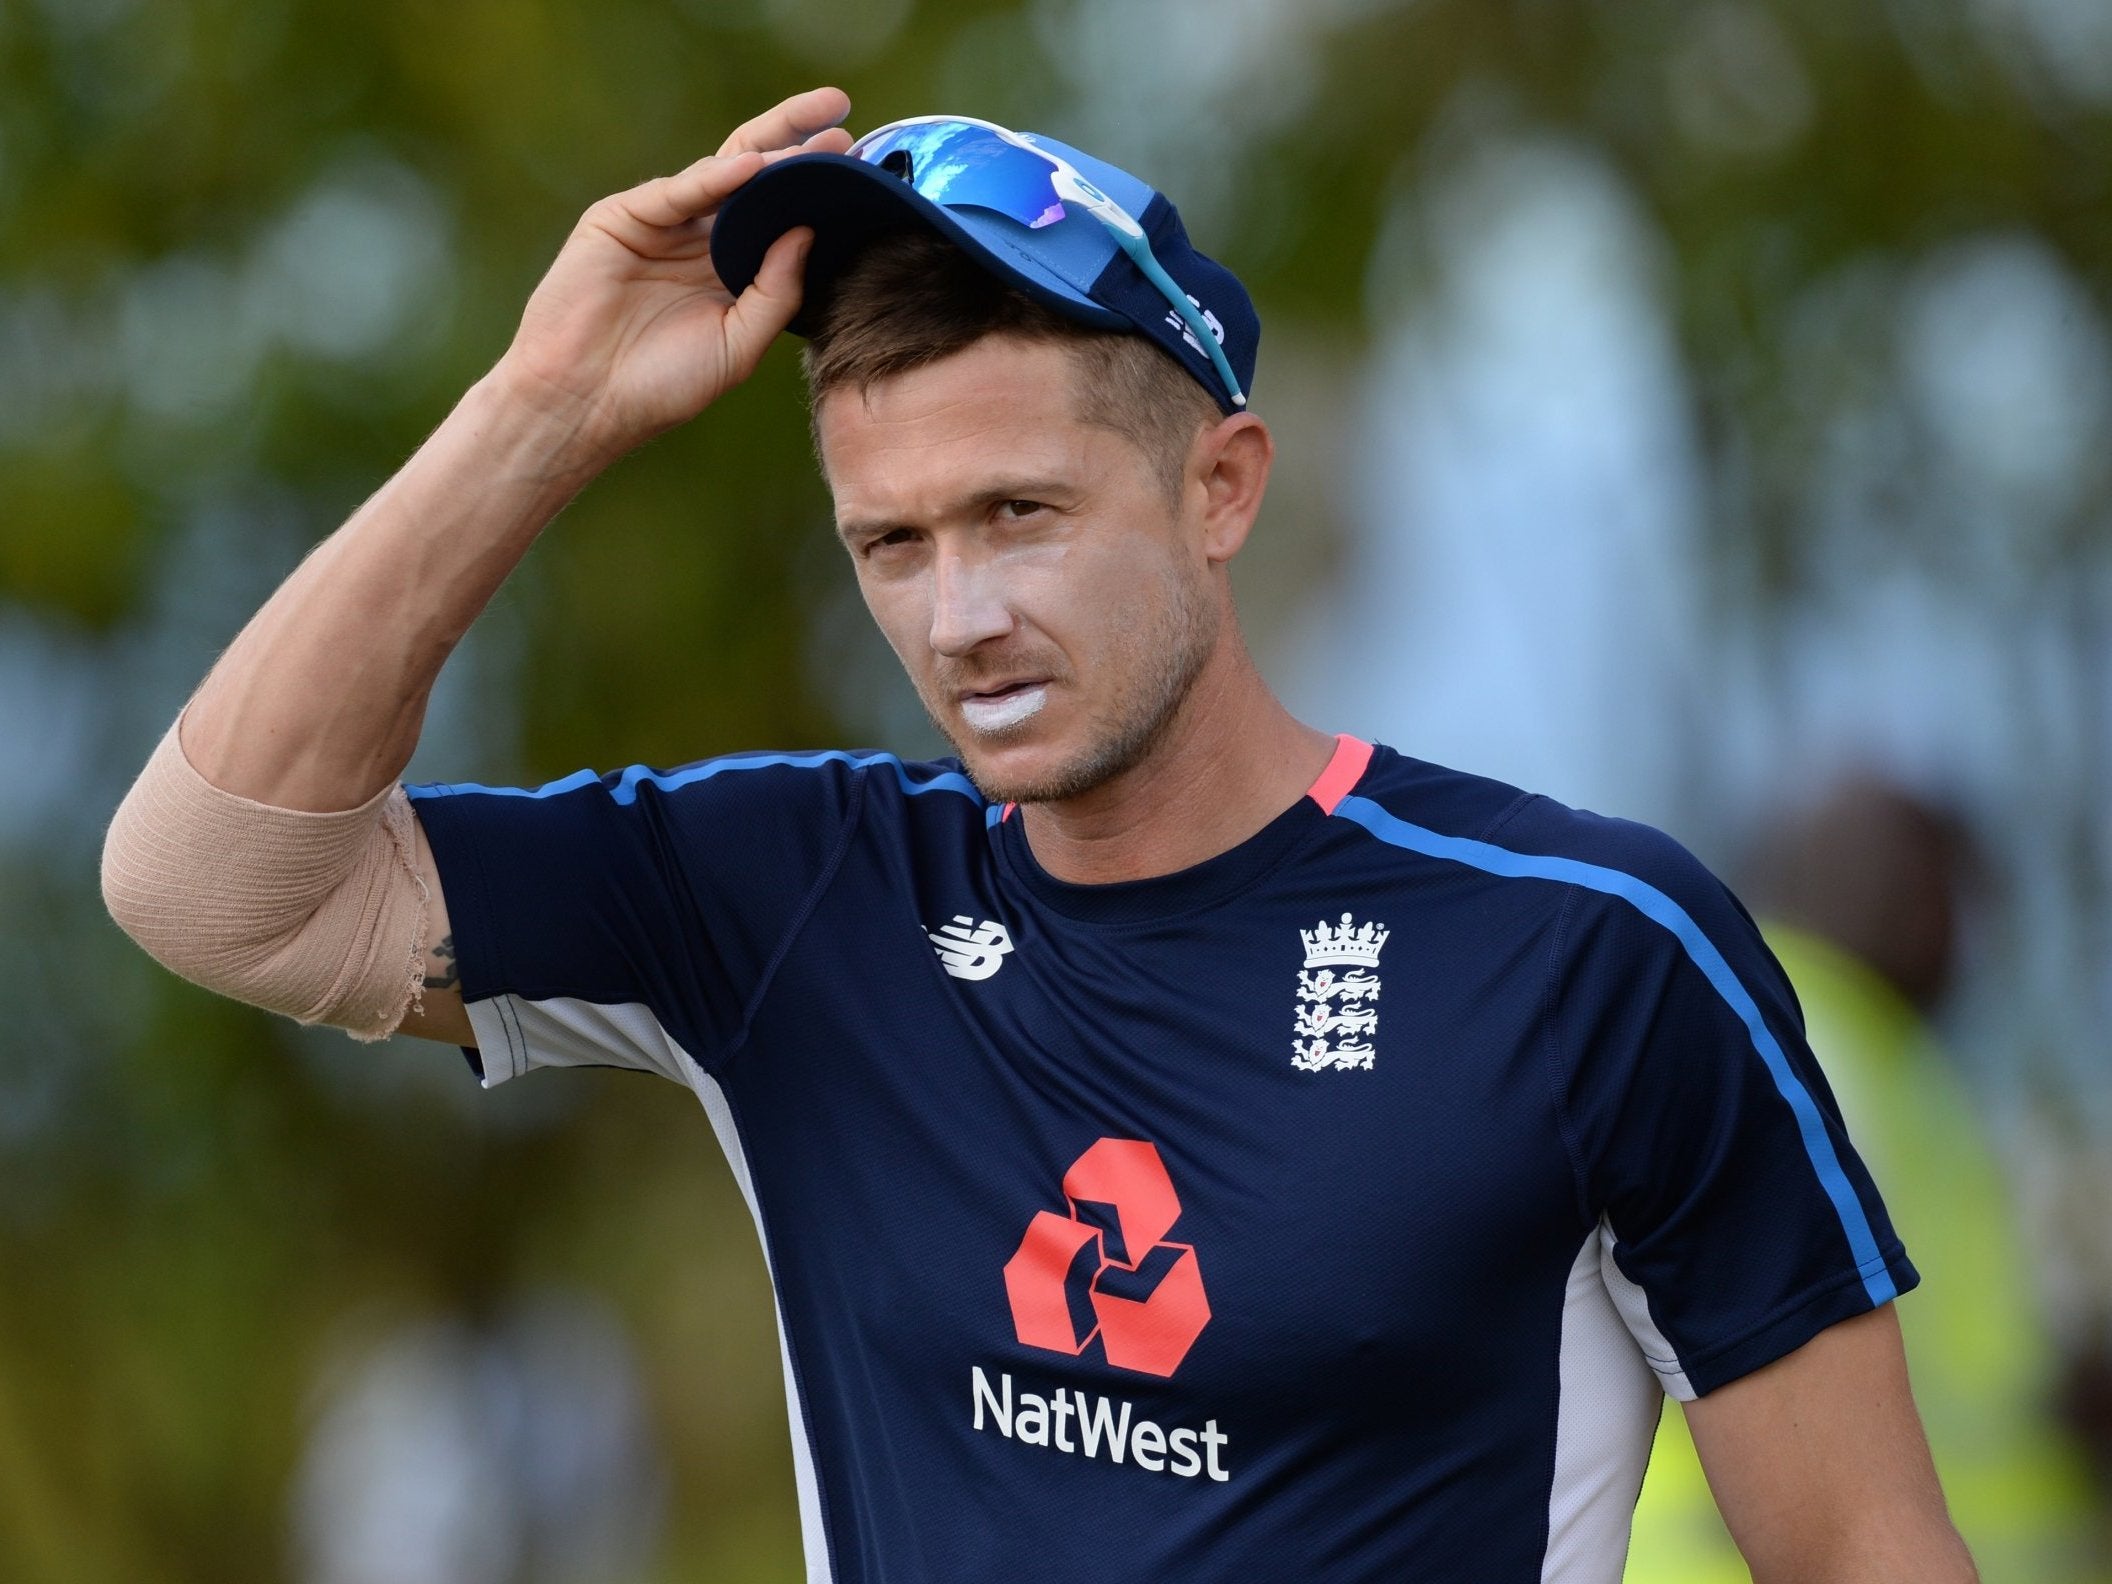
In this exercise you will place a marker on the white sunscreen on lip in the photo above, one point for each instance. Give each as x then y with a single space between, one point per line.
1005 712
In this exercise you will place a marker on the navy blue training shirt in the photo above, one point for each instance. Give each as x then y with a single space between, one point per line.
1345 1204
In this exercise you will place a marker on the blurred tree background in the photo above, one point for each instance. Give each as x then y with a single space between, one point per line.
250 253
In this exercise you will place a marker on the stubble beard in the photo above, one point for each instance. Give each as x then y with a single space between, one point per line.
1165 660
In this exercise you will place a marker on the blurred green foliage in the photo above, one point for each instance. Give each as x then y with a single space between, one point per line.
251 250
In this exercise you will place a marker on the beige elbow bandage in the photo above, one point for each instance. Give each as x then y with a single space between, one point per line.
318 916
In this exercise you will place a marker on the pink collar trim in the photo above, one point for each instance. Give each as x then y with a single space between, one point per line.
1343 772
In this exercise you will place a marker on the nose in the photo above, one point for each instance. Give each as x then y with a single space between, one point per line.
968 605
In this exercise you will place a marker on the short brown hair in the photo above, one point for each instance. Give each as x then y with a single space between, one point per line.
913 297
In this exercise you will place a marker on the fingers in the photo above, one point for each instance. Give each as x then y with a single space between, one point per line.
688 194
771 299
830 140
803 124
791 123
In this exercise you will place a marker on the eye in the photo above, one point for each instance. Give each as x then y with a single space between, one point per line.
893 539
1016 509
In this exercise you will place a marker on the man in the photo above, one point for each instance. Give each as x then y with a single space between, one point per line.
1120 1227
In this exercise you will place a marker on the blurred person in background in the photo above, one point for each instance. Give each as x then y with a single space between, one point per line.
1862 895
925 1005
510 1447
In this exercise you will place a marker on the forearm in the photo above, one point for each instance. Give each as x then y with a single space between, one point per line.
1820 1467
318 702
265 851
1908 1549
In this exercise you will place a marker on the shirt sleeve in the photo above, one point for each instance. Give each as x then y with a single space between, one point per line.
1736 1220
632 919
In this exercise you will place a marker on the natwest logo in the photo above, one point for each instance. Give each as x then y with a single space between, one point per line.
1077 1277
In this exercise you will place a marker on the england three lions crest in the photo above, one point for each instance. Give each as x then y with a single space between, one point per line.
1337 1014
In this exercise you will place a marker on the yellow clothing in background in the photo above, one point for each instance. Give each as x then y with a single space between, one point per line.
1978 1357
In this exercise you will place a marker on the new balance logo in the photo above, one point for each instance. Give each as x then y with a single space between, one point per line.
1217 326
969 950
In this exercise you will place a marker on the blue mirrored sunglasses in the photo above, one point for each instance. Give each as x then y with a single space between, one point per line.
959 162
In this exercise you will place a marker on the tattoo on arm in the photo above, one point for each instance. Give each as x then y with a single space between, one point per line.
450 975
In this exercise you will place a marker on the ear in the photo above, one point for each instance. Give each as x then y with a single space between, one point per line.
1229 466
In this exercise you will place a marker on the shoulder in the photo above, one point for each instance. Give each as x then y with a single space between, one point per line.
1618 858
1594 865
798 782
1485 823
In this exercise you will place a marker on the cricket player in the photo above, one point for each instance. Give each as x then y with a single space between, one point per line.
1186 1144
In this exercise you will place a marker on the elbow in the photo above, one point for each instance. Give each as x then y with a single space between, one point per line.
317 916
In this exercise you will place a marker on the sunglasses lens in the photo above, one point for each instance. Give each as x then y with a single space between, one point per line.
956 164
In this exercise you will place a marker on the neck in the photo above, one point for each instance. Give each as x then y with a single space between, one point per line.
1232 759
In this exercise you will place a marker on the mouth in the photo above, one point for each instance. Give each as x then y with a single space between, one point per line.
1002 708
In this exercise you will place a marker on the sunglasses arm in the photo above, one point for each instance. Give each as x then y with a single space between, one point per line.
1140 253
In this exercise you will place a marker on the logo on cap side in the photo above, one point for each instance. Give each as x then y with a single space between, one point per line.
1175 322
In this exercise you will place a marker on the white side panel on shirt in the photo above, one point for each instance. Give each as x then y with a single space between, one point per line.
1604 1424
1634 1305
514 1035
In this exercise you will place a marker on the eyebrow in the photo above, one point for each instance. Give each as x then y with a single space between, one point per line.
982 500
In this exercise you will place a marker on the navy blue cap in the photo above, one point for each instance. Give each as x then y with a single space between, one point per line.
1072 265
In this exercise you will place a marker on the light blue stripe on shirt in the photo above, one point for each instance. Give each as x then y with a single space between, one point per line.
626 788
1661 909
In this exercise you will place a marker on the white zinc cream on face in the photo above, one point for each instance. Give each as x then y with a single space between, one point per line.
1006 710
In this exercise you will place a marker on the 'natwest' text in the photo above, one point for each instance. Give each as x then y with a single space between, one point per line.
1071 1421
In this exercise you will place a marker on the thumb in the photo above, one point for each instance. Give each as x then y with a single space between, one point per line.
770 300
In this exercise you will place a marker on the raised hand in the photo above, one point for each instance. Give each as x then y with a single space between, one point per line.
631 331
